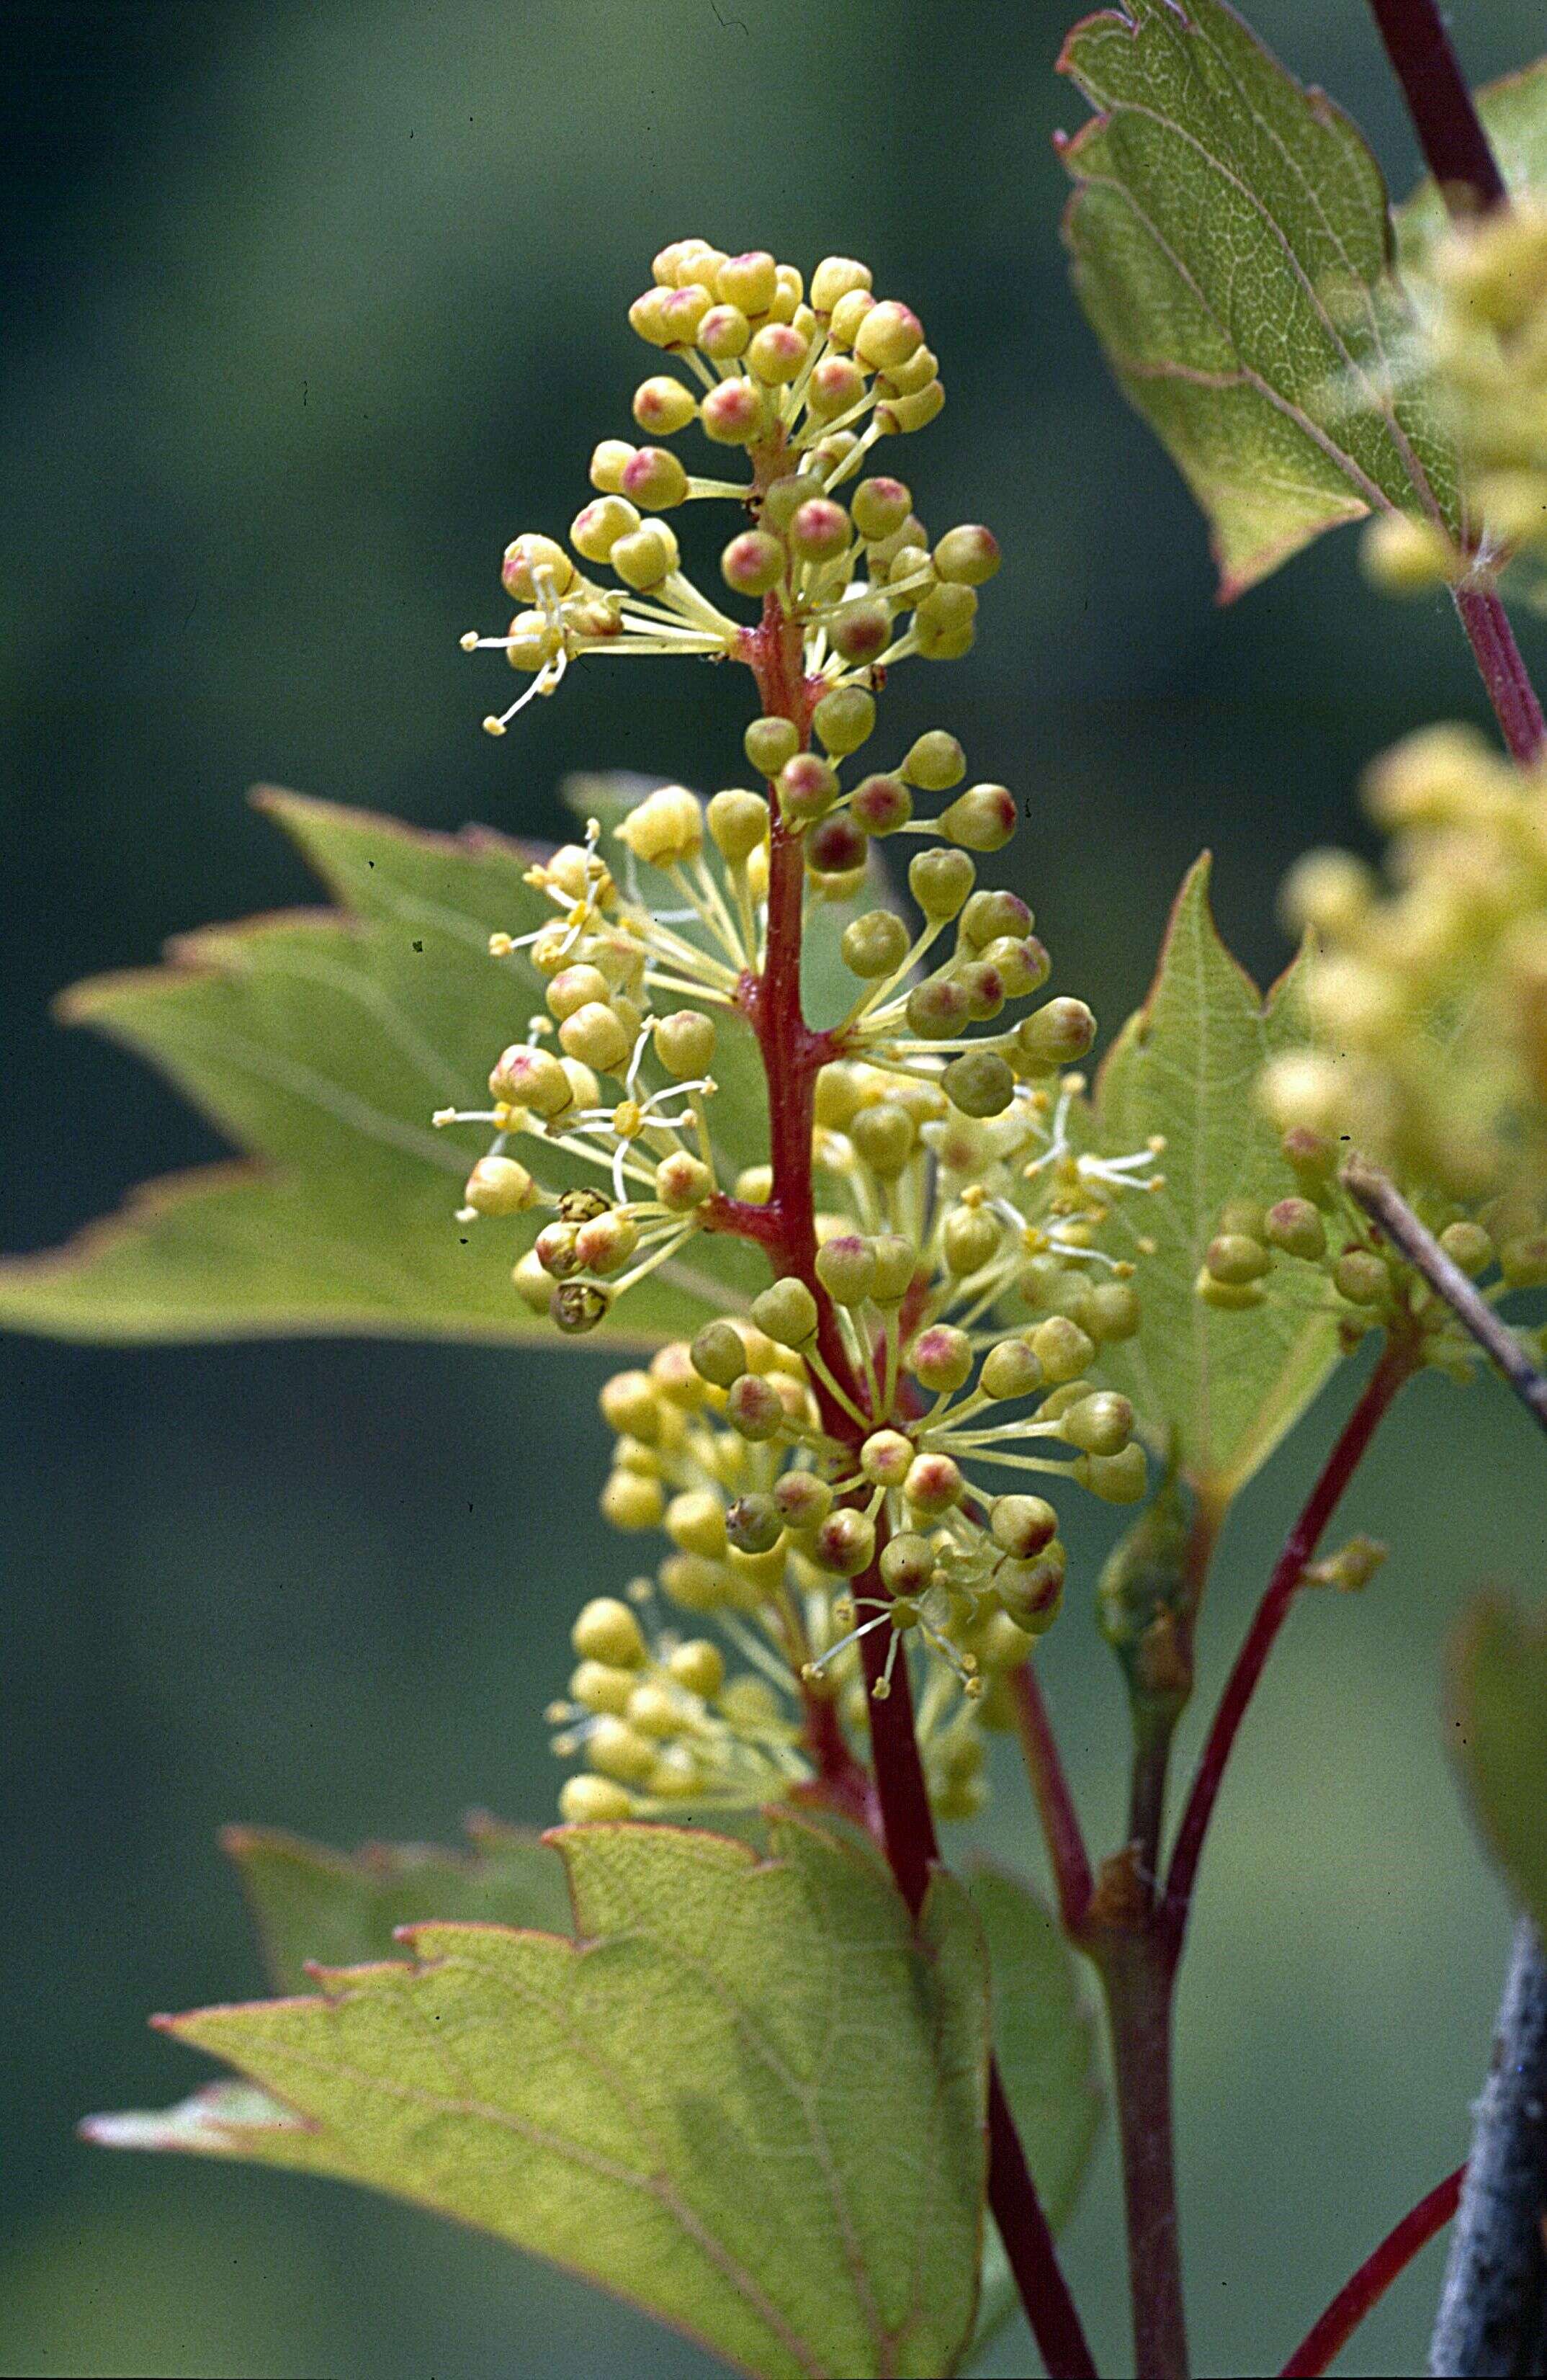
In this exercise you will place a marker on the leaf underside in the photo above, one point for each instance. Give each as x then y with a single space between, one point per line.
320 1042
1497 1712
1230 244
745 2095
1217 1389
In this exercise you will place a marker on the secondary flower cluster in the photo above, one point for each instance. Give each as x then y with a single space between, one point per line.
813 384
1484 304
1429 1002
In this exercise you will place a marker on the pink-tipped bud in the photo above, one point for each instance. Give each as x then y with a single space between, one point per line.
733 414
753 562
819 530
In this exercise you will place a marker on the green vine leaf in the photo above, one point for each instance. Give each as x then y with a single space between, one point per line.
321 1041
1497 1714
1231 248
1217 1391
1514 112
315 1907
1044 2039
747 2096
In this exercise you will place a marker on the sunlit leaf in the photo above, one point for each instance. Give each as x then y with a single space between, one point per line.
1497 1725
1230 241
321 1041
747 2096
1219 1389
1044 2040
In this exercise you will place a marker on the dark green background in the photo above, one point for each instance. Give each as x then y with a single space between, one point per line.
311 307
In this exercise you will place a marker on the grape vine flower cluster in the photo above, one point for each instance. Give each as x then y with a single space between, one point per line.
939 1296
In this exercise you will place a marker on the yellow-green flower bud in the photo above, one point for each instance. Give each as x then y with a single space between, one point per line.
684 1042
1465 1243
835 851
735 414
787 1312
1235 1258
940 882
643 559
616 1750
608 461
1102 1424
696 1522
881 507
498 1185
683 1181
933 1485
1023 965
983 818
1523 1260
1361 1277
1012 1370
753 1524
666 829
875 945
1329 891
631 1406
937 1009
532 553
897 1261
979 1083
753 562
597 1687
724 332
776 354
940 1359
630 1502
846 1269
885 1137
833 279
1057 1035
592 1801
696 1582
1033 1592
1225 1297
598 1037
888 335
1110 1312
748 281
844 1542
530 1282
1116 1479
784 498
607 1631
663 405
967 556
1023 1525
983 988
846 314
844 718
802 1500
770 743
699 1665
1061 1347
907 379
1403 556
1293 1226
908 1563
914 411
992 917
573 987
969 1238
819 530
526 1077
596 528
835 386
881 805
738 823
808 787
861 630
886 1458
604 1245
1351 1567
719 1354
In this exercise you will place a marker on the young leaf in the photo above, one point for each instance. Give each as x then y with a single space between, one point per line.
1231 249
1498 1710
1514 112
322 1040
1219 1389
1044 2040
312 1906
748 2096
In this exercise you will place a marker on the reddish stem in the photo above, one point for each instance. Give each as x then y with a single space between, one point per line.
1394 1367
1498 657
1332 2332
1060 1819
792 1056
1449 130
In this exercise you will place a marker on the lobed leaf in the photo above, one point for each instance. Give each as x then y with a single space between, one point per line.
1231 249
1498 1710
1218 1390
1044 2039
747 2096
321 1042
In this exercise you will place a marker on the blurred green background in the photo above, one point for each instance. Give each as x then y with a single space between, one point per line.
311 307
